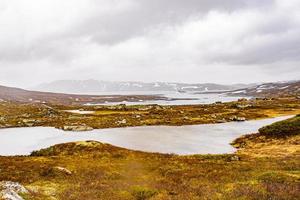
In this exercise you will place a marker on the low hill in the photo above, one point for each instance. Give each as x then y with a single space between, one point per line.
26 96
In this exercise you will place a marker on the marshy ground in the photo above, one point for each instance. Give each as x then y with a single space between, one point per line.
27 115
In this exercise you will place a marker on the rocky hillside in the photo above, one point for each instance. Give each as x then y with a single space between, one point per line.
94 86
291 88
26 96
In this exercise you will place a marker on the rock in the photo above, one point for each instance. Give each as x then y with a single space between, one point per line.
146 108
77 128
186 118
124 121
62 170
237 119
240 119
11 190
29 122
26 115
234 158
158 107
221 121
213 116
242 106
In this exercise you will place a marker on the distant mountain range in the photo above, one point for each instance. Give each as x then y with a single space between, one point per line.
28 96
94 86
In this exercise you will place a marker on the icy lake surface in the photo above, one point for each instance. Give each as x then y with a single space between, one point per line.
183 140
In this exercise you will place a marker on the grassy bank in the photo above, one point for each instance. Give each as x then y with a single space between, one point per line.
24 115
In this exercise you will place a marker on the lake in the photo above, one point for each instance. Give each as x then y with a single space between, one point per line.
181 98
182 140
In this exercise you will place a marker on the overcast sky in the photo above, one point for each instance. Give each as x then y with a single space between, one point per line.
222 41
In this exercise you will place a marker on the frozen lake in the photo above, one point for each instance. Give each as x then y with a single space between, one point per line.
183 140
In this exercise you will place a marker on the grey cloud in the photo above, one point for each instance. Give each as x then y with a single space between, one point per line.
152 40
148 14
114 28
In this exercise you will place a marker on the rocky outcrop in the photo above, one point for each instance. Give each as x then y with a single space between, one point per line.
61 170
123 121
77 128
234 158
243 106
237 119
11 190
29 122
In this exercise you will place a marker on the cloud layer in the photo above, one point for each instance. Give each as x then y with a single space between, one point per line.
141 40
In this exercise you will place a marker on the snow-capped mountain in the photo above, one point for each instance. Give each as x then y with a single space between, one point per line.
270 89
94 86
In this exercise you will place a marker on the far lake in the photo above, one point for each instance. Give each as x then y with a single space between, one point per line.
181 98
182 140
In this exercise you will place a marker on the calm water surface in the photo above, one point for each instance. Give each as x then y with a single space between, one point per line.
183 98
183 140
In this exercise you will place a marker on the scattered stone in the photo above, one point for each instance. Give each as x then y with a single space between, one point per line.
11 190
158 107
2 119
221 121
234 158
241 106
124 121
26 115
213 116
144 109
62 170
237 119
186 118
240 119
29 122
77 128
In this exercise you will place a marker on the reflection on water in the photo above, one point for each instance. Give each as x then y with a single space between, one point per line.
183 140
